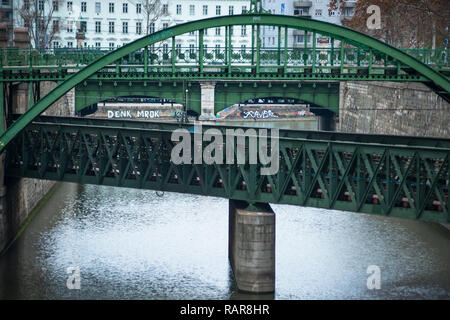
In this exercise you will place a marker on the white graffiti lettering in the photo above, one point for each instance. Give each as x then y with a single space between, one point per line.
258 115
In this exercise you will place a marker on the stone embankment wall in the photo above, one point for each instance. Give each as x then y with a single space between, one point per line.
22 195
393 108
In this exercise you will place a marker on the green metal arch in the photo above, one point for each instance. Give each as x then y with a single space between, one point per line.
335 31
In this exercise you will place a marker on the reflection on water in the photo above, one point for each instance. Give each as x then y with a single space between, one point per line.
132 244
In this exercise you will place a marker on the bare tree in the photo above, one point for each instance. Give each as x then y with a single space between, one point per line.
404 23
153 10
47 25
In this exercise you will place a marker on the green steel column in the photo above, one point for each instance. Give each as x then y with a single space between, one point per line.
305 48
226 46
332 52
173 55
285 48
31 94
253 45
230 47
2 108
279 47
200 48
258 48
314 53
146 60
370 61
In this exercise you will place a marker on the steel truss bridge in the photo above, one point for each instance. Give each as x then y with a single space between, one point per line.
387 175
393 176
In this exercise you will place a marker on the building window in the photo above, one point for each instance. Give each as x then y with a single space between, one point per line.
69 44
125 8
301 11
178 48
192 10
243 48
151 28
83 7
191 48
138 8
205 10
41 5
55 26
138 27
55 44
111 27
332 13
98 27
217 10
125 27
318 12
217 49
69 26
69 6
231 10
178 8
98 45
165 9
217 31
243 31
98 7
244 9
83 26
111 45
111 7
165 25
55 5
205 32
26 5
165 48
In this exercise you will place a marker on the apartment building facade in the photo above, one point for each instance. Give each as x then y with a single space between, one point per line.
113 23
314 9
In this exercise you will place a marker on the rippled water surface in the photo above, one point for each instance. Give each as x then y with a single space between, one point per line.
134 244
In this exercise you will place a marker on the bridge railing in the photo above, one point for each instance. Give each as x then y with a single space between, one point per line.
218 56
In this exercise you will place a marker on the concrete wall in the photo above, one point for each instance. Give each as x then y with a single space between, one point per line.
392 108
22 195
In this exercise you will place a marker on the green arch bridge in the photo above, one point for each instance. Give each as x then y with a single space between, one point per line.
388 175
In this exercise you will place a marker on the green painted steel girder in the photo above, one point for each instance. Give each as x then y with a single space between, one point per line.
334 31
386 179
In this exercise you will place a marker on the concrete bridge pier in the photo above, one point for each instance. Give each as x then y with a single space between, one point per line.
207 100
251 246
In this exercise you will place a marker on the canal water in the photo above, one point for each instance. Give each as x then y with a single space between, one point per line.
137 244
